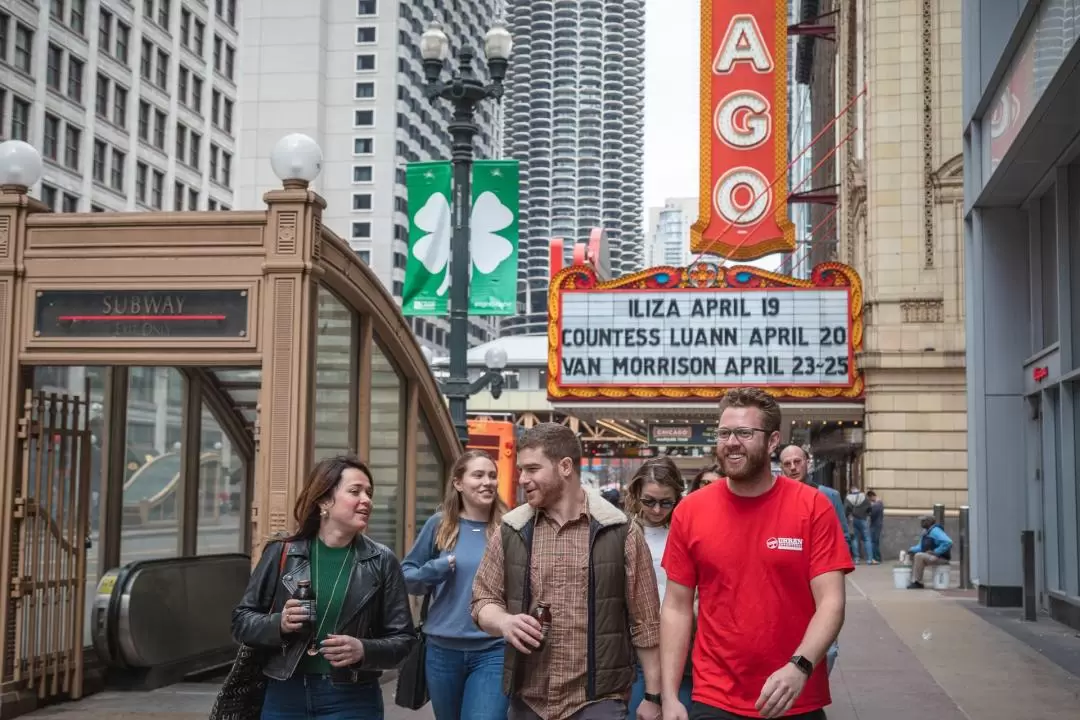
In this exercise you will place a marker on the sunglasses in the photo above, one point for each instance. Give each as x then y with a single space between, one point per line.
653 502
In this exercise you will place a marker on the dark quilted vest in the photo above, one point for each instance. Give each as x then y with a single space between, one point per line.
610 662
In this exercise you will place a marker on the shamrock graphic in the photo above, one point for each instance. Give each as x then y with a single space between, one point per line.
487 249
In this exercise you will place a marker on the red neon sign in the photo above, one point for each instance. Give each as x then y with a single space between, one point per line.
743 213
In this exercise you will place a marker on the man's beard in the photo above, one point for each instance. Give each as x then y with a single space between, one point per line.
756 460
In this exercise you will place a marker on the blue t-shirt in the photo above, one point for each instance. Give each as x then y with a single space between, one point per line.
449 622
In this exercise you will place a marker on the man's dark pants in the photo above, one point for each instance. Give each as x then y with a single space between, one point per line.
700 711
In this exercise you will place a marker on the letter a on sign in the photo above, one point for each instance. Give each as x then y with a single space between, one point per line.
743 213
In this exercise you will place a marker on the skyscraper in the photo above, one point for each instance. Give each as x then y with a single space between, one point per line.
130 108
349 74
575 121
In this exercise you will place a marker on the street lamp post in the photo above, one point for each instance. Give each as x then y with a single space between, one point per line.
464 91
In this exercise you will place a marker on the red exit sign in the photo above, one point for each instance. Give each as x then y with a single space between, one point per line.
1040 373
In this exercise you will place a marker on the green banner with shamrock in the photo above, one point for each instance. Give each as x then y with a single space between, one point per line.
493 243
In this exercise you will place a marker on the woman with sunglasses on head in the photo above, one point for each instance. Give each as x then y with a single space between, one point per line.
463 664
327 667
653 492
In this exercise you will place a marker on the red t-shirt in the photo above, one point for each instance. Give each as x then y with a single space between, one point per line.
751 560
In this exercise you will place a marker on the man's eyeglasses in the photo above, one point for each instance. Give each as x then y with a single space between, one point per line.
653 502
742 433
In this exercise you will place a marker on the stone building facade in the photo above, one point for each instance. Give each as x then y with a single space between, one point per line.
900 223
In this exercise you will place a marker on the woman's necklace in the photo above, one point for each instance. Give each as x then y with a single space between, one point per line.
313 650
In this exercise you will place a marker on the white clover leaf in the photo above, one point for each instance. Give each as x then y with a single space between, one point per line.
433 249
488 217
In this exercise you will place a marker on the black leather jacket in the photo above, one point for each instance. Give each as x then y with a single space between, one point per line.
375 609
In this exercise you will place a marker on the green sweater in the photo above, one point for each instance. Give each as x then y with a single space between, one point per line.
326 570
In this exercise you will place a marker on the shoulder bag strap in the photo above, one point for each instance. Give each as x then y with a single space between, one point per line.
432 554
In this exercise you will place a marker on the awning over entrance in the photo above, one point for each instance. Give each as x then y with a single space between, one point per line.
653 412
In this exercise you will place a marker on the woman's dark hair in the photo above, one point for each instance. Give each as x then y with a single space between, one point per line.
714 469
320 484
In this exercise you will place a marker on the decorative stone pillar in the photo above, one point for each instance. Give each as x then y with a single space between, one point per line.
283 434
15 207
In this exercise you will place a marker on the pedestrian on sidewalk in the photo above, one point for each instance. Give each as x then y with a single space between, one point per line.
570 556
877 522
463 664
795 462
767 558
327 666
933 548
707 476
653 493
857 507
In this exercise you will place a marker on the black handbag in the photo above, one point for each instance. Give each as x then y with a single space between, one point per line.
242 694
412 692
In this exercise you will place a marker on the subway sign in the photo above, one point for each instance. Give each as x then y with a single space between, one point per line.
141 314
692 333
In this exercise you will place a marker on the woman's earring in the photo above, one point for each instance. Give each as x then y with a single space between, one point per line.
325 512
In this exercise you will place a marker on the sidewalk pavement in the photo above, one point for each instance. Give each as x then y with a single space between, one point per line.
903 654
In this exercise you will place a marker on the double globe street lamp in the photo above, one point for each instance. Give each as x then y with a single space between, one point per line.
464 90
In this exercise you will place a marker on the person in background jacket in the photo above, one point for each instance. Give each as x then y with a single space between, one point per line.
877 522
330 667
571 550
794 461
463 663
933 548
652 495
857 507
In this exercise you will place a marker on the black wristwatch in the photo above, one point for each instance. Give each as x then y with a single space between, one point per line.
653 698
803 664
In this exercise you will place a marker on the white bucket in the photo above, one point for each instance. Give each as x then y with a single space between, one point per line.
941 577
901 575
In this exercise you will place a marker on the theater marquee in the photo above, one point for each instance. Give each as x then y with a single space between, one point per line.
743 213
692 333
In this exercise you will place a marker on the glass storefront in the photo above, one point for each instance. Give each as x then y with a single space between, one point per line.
335 377
385 459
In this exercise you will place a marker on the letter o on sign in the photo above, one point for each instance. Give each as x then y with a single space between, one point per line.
742 196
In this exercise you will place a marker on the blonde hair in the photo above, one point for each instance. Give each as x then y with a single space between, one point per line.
446 536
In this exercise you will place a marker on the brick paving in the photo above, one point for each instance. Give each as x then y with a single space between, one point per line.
903 654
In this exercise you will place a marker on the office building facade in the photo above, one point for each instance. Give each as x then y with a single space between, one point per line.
349 74
1021 135
575 121
132 108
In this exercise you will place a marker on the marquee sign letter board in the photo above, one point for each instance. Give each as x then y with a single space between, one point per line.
743 211
691 333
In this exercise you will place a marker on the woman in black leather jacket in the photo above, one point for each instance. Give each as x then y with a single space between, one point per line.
328 668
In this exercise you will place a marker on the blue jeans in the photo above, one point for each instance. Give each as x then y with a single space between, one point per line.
637 693
875 535
830 656
861 528
314 697
466 684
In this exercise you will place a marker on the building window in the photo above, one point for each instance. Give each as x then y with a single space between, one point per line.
56 10
69 203
117 175
162 69
157 189
196 149
361 230
365 35
365 90
54 63
72 146
24 48
181 142
142 173
365 62
365 256
178 196
159 129
146 60
226 169
363 118
196 93
120 98
101 96
105 25
366 7
20 119
51 142
144 121
99 160
361 201
163 13
75 79
48 196
123 36
361 173
363 146
193 199
182 75
77 19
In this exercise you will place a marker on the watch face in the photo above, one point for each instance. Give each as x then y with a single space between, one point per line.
803 664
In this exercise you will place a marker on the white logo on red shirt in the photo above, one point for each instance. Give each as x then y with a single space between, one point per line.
784 543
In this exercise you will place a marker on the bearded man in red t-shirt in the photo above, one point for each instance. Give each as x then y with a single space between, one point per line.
767 560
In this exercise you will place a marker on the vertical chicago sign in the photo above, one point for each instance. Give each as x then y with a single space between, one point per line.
744 112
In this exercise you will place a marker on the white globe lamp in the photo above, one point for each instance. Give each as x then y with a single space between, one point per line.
495 358
296 160
20 165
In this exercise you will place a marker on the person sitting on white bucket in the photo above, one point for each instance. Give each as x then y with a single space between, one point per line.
933 548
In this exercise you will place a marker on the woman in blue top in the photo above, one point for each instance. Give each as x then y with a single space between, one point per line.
464 664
